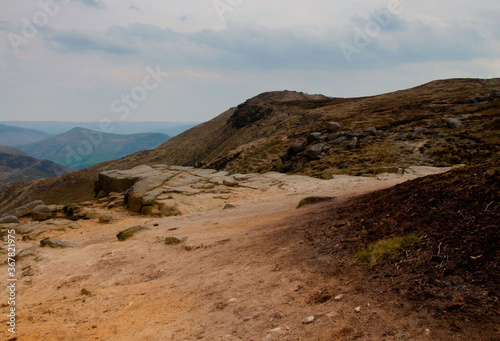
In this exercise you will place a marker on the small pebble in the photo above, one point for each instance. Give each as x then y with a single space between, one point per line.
308 320
339 297
357 309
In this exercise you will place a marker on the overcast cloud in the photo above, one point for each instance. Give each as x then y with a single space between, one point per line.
72 61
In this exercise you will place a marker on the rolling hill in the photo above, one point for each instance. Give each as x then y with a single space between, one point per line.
440 123
81 148
54 128
15 136
16 165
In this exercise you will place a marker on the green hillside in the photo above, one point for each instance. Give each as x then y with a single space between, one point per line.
81 148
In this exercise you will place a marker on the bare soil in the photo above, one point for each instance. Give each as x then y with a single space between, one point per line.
254 272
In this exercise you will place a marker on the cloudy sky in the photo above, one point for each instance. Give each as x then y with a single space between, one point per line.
153 60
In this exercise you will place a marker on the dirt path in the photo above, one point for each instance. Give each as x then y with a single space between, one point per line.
232 279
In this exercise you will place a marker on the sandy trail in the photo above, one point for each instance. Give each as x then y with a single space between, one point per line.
230 280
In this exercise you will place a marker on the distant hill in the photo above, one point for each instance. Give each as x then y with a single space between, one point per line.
81 148
12 151
16 165
15 136
54 128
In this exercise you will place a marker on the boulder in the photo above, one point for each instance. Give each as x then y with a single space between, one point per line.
11 219
371 131
453 123
23 210
296 147
314 137
41 213
105 218
333 127
332 137
126 234
313 151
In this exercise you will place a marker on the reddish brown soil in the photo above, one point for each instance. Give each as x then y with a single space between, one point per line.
452 278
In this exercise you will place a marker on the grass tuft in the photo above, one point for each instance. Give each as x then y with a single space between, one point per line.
383 249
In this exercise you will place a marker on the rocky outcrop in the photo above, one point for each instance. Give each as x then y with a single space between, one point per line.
163 190
318 144
36 230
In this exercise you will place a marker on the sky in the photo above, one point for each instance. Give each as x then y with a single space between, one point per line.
190 60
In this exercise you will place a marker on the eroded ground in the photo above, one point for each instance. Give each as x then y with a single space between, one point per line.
234 278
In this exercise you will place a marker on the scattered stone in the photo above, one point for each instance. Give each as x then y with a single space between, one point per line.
371 131
343 165
41 213
353 143
27 252
453 123
314 138
313 200
105 218
247 318
228 206
23 210
174 240
357 309
309 320
126 234
339 297
85 292
11 219
393 170
28 271
332 315
313 151
333 127
53 243
275 330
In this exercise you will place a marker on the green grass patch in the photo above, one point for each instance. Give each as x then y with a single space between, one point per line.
381 250
313 200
